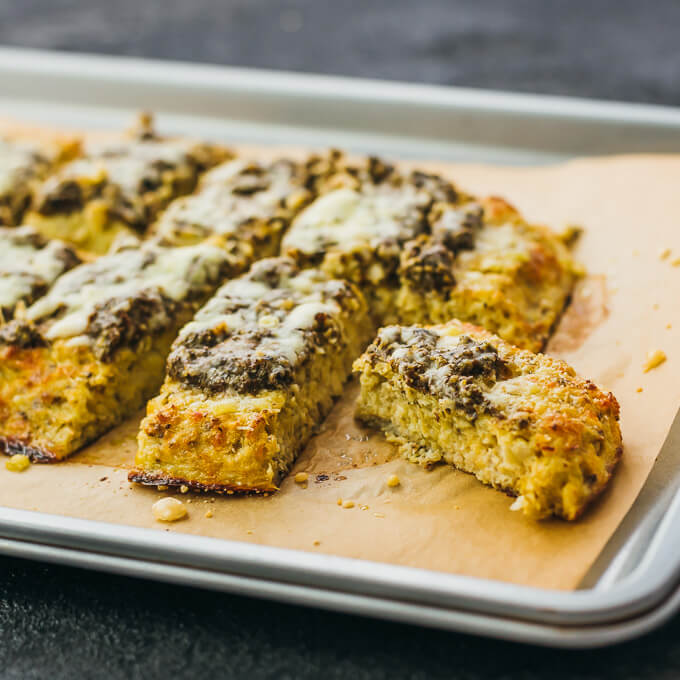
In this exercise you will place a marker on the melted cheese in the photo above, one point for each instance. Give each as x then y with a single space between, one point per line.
16 159
27 262
345 218
218 209
286 312
125 164
176 272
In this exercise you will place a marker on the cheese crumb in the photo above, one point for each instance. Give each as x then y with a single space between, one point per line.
664 253
339 501
168 509
639 389
316 543
379 515
162 487
675 262
348 504
301 477
184 488
209 514
654 358
393 481
18 463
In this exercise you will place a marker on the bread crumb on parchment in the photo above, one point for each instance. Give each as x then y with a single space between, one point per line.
168 509
654 358
393 481
18 462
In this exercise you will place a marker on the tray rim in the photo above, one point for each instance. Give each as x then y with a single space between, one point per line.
628 597
470 622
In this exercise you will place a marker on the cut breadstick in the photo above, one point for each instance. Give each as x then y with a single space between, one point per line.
250 379
524 423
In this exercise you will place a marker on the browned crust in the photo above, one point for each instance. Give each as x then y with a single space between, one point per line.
11 446
603 487
151 479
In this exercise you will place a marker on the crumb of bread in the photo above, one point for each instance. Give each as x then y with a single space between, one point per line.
18 462
654 358
184 488
393 481
209 514
379 515
316 543
168 509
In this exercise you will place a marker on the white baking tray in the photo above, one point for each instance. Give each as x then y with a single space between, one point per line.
634 584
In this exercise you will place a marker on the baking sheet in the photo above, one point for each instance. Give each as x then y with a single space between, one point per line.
442 519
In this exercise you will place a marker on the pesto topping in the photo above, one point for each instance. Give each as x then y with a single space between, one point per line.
29 265
427 265
259 329
447 367
20 164
456 227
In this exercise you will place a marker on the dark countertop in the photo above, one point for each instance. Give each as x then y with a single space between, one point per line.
58 622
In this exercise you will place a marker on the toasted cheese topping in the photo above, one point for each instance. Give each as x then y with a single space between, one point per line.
111 284
18 162
259 329
230 194
347 217
29 265
136 178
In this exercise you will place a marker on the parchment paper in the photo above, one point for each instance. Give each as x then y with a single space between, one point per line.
443 519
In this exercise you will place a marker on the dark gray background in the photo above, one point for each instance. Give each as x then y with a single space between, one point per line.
64 623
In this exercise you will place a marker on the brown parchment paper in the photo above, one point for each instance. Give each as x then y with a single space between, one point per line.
443 519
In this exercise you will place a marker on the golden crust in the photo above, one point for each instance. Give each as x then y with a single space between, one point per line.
522 422
54 400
